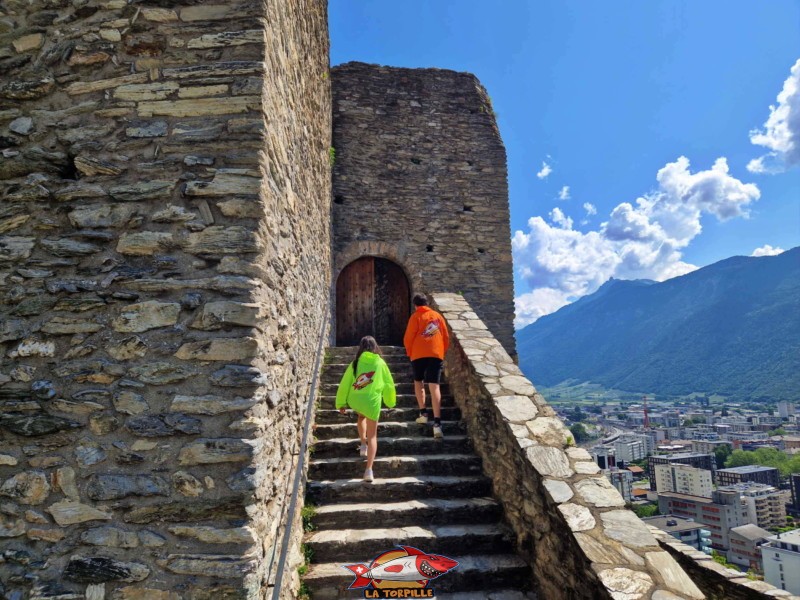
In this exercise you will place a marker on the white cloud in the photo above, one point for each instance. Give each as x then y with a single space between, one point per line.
590 209
535 304
563 194
558 217
546 170
767 250
781 132
643 239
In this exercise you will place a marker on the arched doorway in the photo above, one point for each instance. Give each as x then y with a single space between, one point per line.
372 298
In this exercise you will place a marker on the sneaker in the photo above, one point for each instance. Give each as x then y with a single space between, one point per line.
422 419
362 451
368 476
437 432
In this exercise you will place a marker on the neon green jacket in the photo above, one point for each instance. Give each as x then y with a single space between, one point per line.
362 391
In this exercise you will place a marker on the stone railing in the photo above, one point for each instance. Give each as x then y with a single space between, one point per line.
570 522
716 581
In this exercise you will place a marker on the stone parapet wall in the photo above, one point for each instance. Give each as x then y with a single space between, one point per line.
716 581
570 523
164 254
420 178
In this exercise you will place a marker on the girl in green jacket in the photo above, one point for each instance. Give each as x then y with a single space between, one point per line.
365 382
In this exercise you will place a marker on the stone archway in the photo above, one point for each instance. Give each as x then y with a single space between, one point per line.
372 298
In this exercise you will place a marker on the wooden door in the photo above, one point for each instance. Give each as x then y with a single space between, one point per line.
372 298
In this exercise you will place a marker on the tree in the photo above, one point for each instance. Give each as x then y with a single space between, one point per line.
645 510
721 454
576 415
778 431
579 433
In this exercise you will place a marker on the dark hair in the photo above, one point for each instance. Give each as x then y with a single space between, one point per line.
420 300
368 344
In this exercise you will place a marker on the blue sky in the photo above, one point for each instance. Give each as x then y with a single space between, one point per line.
609 95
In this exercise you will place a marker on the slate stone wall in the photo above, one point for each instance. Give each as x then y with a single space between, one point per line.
164 254
571 523
420 178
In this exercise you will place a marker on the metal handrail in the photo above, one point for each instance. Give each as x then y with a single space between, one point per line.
298 474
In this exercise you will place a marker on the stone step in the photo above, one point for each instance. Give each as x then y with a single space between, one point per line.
349 352
477 574
404 376
423 512
387 429
327 400
395 489
359 545
329 389
394 362
498 595
395 466
329 416
394 446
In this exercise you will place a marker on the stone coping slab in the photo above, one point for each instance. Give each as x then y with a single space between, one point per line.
570 522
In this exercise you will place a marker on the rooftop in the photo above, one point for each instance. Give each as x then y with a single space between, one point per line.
751 532
698 499
746 469
682 455
790 537
680 523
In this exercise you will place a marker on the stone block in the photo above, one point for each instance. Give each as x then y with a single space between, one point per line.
70 512
136 318
220 349
215 315
99 569
117 486
211 451
145 243
222 240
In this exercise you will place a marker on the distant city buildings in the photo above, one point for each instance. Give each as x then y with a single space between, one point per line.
754 473
683 479
785 409
781 557
687 531
708 446
622 479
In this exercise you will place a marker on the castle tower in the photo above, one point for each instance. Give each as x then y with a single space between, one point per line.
420 199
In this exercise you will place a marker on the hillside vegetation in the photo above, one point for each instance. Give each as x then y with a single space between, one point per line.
731 328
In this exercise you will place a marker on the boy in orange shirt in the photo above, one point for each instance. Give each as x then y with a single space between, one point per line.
426 341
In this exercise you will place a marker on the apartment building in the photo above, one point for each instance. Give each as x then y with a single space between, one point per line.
766 505
746 542
683 479
700 461
754 473
781 557
719 514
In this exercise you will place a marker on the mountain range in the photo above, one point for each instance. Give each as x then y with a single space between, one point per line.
731 328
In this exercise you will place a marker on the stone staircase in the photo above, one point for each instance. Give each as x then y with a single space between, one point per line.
429 494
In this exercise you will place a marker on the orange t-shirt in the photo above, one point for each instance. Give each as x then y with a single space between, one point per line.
426 334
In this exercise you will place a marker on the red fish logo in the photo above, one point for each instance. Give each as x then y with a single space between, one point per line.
431 330
406 568
363 380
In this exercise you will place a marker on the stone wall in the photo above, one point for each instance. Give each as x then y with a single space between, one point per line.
164 254
420 178
571 524
716 581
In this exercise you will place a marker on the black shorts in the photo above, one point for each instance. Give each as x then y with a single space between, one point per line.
428 369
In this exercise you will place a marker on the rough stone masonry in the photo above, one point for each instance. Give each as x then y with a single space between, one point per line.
164 254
